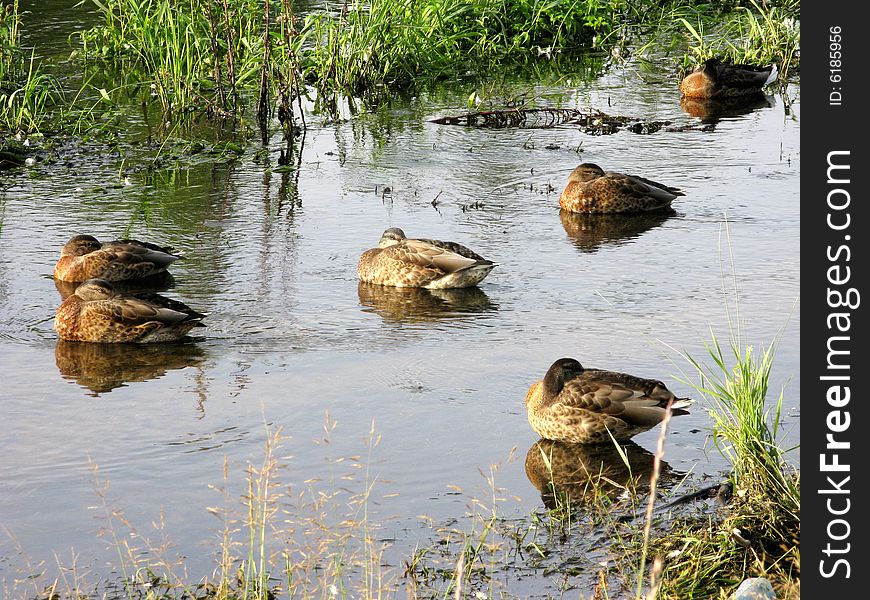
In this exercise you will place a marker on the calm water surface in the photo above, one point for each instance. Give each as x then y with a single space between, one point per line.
294 343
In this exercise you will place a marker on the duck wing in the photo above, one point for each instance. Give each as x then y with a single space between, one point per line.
446 257
453 247
652 388
639 187
595 395
655 185
132 312
637 401
745 77
135 251
159 301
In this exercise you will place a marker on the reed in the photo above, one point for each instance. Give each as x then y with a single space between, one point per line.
758 535
27 94
197 57
368 45
757 34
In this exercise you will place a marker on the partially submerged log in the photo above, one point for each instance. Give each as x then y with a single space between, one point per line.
535 118
593 122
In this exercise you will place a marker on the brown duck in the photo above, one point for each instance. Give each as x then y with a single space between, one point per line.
97 313
84 257
580 406
591 189
423 263
715 79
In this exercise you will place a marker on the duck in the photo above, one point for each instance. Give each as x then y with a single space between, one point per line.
96 312
421 263
576 405
715 79
591 189
84 257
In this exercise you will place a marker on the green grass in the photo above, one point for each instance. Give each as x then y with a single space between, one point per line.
394 43
758 34
27 95
198 56
688 33
706 557
236 61
758 535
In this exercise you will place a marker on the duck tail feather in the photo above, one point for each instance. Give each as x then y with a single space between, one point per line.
774 72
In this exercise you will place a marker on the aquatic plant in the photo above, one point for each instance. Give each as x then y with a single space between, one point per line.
758 34
199 56
27 95
368 45
759 533
765 506
742 32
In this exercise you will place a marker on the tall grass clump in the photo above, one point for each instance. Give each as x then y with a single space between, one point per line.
759 534
27 95
197 56
746 426
374 43
759 34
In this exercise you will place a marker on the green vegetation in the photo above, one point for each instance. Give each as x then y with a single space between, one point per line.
27 95
756 34
201 56
759 537
396 42
236 61
750 32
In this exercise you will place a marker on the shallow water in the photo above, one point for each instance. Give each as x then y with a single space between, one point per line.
293 341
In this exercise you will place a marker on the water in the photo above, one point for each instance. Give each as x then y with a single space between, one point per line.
294 343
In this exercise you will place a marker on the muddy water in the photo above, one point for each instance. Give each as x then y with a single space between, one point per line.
294 343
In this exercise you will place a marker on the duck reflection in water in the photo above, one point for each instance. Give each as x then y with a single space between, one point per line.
104 367
159 282
712 110
420 305
591 232
579 474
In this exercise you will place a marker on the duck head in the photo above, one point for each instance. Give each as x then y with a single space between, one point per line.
586 172
80 245
561 371
95 289
391 237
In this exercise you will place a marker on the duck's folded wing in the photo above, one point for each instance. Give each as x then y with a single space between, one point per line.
619 184
426 254
641 186
745 76
612 399
132 312
157 300
454 247
121 264
133 251
596 396
139 245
